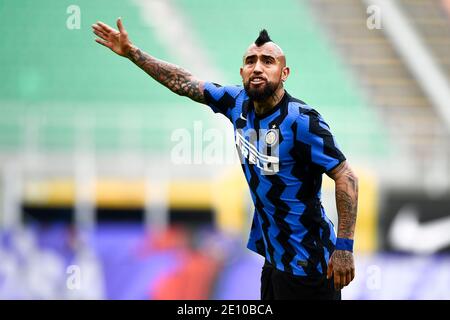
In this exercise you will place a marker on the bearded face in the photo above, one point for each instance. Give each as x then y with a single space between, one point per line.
263 70
262 90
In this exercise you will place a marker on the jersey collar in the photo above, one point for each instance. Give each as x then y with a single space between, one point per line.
249 106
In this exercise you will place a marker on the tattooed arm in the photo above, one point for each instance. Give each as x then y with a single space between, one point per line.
346 198
173 77
341 261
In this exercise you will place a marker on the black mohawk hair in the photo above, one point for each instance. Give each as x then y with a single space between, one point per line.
262 38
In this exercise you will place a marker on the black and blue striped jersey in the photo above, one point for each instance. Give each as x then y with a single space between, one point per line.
283 155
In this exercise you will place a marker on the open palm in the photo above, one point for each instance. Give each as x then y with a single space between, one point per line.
115 40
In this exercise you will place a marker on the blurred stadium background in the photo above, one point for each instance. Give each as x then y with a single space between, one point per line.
93 204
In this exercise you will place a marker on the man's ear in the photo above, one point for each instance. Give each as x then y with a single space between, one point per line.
240 71
285 73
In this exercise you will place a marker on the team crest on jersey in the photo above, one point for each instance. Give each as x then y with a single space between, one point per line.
269 164
271 137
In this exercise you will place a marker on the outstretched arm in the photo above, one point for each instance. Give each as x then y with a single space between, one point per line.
173 77
341 261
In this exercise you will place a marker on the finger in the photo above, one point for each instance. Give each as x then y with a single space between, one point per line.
98 28
106 28
101 26
103 43
337 281
343 280
329 270
120 26
100 34
352 275
348 278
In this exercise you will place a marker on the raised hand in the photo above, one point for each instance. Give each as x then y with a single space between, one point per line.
177 79
115 40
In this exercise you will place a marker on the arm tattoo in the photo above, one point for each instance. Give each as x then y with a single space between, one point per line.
173 77
346 199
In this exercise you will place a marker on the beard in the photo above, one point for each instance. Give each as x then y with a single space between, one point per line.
262 93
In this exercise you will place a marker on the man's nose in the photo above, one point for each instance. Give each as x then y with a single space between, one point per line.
258 67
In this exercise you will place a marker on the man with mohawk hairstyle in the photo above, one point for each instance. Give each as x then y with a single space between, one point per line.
285 147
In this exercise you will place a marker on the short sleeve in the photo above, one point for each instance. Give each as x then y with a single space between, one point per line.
221 99
315 143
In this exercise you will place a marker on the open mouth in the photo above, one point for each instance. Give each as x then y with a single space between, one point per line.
257 80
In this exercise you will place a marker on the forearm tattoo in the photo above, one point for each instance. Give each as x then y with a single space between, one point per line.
173 77
346 200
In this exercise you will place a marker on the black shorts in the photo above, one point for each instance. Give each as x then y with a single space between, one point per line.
280 285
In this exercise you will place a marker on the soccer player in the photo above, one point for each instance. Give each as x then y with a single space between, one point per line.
285 146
